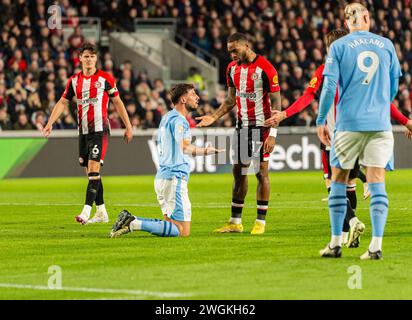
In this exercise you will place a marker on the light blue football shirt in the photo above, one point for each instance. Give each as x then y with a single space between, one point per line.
173 129
367 70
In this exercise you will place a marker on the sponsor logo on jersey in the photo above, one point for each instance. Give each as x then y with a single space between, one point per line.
329 60
313 82
247 95
87 101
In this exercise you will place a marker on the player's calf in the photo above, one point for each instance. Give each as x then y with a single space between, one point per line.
126 223
91 192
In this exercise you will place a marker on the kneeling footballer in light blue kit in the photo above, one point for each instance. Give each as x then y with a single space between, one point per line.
367 70
174 147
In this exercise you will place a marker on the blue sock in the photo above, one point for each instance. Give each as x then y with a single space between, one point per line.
337 207
159 228
378 208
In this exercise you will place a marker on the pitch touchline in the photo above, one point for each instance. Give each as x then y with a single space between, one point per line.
155 205
98 290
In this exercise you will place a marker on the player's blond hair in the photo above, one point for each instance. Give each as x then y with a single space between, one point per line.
354 12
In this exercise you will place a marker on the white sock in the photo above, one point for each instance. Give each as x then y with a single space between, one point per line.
345 237
376 244
235 220
353 221
101 208
86 211
261 221
335 241
135 225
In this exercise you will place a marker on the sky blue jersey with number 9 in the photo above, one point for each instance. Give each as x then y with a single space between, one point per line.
173 129
367 70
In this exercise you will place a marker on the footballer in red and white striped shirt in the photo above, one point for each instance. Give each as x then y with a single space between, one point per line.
253 87
92 95
253 83
92 89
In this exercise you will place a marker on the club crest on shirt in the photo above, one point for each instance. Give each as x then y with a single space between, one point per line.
97 85
254 76
275 80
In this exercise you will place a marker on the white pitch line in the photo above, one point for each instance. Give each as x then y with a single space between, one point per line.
98 290
209 205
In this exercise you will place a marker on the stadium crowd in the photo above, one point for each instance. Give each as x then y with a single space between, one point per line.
35 61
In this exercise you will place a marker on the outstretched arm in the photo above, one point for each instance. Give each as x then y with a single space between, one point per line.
398 116
188 148
224 108
296 107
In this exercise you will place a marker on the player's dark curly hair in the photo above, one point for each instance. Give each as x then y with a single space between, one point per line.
179 90
335 35
237 37
89 47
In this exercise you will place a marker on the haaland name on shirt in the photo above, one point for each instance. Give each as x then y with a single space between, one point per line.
353 44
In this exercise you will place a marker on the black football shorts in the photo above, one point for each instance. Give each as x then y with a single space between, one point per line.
92 146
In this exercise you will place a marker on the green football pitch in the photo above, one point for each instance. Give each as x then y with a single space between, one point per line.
40 241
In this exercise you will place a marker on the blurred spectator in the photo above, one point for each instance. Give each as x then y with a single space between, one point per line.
196 78
36 62
5 123
22 123
39 120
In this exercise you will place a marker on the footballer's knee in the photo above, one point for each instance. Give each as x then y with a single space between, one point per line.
340 175
374 174
240 174
185 233
93 166
183 227
262 177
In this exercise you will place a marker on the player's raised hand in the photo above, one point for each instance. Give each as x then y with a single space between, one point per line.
128 135
269 144
205 121
323 134
276 118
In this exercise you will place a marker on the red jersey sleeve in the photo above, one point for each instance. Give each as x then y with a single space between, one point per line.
316 81
271 79
397 115
229 80
110 86
309 94
300 104
69 91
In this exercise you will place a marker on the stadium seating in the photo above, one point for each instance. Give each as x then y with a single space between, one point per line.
36 61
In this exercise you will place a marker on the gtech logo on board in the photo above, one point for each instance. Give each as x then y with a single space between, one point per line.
295 156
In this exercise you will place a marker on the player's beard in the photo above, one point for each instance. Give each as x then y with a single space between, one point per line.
242 59
191 107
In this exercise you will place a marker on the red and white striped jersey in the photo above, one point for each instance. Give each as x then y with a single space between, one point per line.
253 82
92 95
